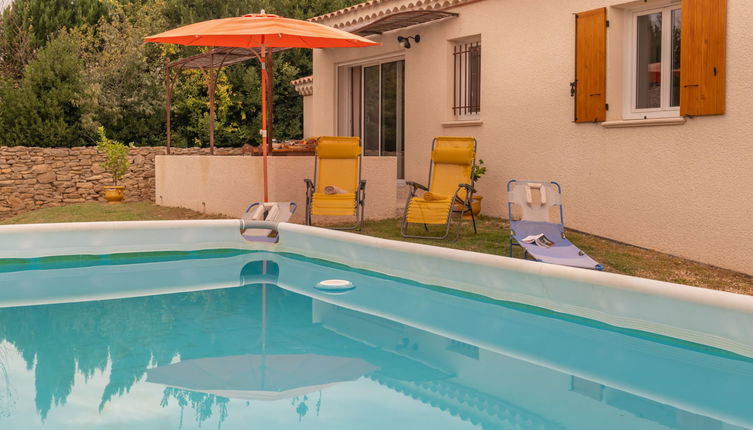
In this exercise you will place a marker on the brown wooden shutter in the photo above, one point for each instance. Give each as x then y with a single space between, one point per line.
702 57
591 66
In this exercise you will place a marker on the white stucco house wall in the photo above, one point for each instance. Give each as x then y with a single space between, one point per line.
659 159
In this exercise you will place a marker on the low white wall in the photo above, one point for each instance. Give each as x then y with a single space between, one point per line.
227 185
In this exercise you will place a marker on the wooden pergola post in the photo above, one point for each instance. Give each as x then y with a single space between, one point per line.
211 86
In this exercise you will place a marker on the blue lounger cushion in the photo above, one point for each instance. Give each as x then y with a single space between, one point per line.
562 252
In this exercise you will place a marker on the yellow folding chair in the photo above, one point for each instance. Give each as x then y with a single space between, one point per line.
450 187
338 189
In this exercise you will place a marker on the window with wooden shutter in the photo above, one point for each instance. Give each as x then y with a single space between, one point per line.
703 53
590 86
653 68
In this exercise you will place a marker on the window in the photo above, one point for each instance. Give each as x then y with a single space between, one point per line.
654 67
466 99
673 63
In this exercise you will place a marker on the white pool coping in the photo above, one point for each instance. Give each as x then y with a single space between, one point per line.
715 318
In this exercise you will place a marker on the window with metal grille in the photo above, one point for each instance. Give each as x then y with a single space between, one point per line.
466 100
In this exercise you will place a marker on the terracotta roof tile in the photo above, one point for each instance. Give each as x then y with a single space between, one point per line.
363 13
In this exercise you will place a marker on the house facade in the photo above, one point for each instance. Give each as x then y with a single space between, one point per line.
640 110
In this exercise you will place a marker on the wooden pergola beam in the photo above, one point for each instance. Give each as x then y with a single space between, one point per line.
210 64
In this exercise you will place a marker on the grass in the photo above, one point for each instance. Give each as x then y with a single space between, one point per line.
136 211
492 238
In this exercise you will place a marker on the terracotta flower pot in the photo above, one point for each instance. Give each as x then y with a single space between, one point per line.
476 204
475 207
114 193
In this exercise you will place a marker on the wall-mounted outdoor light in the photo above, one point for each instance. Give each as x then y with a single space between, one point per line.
405 41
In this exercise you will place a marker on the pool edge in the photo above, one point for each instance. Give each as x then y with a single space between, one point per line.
716 318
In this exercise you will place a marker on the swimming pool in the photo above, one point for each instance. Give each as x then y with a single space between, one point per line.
242 338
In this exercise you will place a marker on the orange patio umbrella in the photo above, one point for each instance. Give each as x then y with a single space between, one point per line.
261 31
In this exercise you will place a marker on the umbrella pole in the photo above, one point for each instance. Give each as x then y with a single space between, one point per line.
264 136
168 100
264 329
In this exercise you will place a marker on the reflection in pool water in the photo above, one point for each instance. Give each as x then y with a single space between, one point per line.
263 356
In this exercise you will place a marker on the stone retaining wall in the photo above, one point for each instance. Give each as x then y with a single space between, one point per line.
32 178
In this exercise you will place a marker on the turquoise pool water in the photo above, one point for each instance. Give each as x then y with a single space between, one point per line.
236 340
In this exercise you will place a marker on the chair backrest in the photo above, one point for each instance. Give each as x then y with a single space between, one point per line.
452 160
338 163
534 201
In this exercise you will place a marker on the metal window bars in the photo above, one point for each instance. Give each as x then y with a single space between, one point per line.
467 81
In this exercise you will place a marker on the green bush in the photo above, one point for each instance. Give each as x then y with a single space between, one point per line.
51 105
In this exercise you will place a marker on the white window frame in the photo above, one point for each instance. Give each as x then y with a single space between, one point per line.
631 58
453 43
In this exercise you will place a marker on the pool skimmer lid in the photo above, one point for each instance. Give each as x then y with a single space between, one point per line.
335 286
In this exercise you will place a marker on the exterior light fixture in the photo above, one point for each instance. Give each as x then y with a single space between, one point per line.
405 41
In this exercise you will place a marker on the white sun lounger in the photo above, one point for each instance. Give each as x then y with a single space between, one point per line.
539 207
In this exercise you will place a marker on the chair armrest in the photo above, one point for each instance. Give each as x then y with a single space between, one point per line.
309 183
416 185
468 187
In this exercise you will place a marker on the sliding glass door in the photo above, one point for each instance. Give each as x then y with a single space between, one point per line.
373 108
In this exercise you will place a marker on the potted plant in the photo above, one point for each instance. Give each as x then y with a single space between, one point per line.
116 163
478 171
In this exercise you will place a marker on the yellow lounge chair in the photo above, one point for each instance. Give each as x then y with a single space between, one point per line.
338 189
450 187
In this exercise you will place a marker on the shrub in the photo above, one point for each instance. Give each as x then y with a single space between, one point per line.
50 106
116 156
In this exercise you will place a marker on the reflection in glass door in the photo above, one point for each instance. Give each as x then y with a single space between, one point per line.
374 108
371 110
383 119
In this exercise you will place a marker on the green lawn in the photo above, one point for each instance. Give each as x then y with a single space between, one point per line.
137 211
492 238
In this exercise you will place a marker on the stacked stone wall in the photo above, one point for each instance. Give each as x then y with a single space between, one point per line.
33 178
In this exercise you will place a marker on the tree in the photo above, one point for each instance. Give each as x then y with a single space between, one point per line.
52 105
46 17
16 48
125 74
28 25
66 68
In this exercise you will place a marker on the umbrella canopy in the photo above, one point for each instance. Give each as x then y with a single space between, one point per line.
260 377
255 30
263 31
